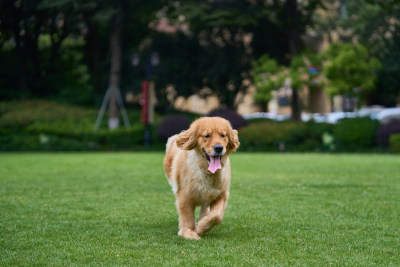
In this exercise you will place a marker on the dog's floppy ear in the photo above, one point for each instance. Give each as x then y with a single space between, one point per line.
187 140
234 139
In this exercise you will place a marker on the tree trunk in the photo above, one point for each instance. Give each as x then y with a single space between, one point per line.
115 70
22 62
296 111
20 51
93 49
293 37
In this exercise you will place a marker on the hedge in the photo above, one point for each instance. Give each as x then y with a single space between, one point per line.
28 140
38 125
349 135
394 142
283 136
355 134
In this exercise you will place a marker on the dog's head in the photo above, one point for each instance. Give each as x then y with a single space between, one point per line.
213 137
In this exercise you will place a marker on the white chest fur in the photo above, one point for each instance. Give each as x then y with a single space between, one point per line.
205 187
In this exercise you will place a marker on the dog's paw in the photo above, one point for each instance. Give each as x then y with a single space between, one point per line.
188 234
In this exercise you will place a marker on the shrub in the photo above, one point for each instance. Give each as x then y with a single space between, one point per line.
384 132
172 125
47 126
291 136
19 114
40 142
309 136
265 136
355 134
394 142
121 138
236 120
29 140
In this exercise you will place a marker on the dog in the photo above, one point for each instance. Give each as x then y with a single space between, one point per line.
198 169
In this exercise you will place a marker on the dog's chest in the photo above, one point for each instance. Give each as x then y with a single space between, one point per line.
206 188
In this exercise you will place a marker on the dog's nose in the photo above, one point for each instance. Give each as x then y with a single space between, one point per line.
218 148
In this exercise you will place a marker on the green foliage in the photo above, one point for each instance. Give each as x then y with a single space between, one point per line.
202 15
268 75
272 136
264 136
374 26
394 143
47 126
355 134
70 79
350 135
371 24
44 125
388 83
19 114
349 66
265 70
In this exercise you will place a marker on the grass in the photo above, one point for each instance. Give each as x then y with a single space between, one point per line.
118 209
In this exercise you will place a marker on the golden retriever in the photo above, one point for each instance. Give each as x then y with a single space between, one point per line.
199 171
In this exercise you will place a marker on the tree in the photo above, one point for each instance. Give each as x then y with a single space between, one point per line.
376 26
269 76
350 70
39 29
222 58
294 17
60 49
265 74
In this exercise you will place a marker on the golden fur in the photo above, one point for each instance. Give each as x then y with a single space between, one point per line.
186 167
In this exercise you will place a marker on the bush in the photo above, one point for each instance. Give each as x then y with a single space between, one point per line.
309 136
121 138
38 125
19 114
278 136
394 142
29 140
236 120
384 132
40 142
172 125
355 134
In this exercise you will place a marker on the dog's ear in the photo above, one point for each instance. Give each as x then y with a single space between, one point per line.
234 139
187 140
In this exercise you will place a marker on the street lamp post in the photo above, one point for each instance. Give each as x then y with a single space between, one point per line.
148 93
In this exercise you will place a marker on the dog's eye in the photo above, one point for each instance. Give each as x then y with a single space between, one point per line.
223 135
206 136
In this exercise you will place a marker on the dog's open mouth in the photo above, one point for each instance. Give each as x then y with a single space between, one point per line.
214 162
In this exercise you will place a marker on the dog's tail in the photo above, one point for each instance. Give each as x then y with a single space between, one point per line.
170 140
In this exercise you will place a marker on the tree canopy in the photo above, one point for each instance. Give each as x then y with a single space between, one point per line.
350 70
60 49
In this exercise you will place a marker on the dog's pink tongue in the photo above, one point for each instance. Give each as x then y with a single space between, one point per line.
215 164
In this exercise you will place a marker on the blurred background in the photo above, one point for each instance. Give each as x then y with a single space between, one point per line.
290 75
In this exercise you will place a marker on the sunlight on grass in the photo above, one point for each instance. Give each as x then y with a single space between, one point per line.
117 208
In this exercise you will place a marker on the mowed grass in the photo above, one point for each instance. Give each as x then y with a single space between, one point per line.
118 209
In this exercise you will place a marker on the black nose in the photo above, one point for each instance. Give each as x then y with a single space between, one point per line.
218 148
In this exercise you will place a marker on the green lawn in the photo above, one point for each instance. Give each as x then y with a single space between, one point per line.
118 209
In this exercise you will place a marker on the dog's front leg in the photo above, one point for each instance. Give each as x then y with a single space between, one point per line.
186 218
214 216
